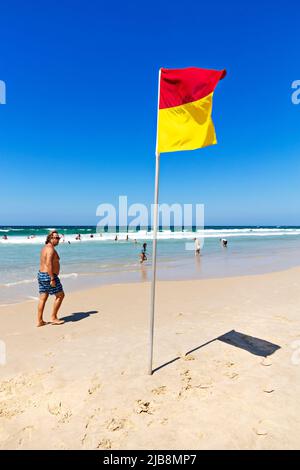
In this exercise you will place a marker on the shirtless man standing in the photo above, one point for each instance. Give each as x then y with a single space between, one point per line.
48 279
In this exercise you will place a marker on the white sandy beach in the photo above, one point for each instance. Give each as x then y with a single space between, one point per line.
84 385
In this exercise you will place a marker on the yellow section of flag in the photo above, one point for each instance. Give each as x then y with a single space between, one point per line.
186 127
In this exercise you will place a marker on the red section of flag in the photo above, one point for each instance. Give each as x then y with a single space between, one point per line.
181 86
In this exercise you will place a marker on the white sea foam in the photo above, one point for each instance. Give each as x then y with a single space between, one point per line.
17 283
30 281
163 235
66 276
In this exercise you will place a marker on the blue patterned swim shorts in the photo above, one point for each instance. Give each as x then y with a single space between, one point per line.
44 284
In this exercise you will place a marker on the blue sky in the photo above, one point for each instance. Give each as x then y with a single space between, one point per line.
79 125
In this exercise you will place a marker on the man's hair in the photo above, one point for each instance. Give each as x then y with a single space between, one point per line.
49 236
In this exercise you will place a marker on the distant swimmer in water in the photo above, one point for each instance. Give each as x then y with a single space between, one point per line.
224 242
4 237
78 237
197 246
127 238
143 254
91 236
116 238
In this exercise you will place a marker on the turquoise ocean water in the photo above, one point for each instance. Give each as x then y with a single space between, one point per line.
102 260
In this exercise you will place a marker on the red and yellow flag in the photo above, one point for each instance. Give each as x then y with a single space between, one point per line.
185 107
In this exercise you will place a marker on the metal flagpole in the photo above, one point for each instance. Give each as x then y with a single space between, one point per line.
155 223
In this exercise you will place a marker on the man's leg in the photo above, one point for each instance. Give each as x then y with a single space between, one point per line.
41 306
59 297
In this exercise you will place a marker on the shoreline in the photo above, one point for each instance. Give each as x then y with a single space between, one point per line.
148 281
225 354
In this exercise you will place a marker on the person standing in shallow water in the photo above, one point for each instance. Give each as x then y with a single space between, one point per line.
224 242
197 246
49 282
143 254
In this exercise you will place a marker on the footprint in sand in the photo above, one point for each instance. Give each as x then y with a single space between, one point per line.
143 407
93 433
65 418
104 444
116 424
10 412
164 421
49 354
232 375
186 375
95 386
159 390
186 379
189 357
55 408
94 389
26 434
5 413
204 386
90 419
